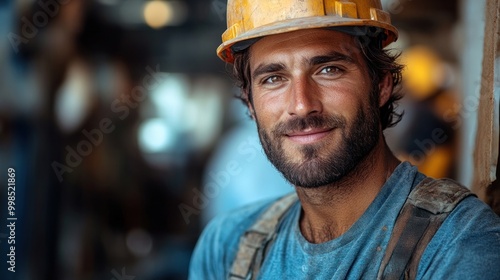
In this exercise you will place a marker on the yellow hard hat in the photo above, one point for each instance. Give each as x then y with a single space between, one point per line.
252 19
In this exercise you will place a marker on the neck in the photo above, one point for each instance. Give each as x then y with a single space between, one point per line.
329 211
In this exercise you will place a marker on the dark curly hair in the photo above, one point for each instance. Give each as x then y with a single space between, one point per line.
378 60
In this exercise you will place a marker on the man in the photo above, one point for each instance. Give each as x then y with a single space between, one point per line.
321 89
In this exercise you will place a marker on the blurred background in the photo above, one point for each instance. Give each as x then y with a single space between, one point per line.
118 119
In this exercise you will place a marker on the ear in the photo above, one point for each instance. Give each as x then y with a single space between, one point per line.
385 89
251 110
249 102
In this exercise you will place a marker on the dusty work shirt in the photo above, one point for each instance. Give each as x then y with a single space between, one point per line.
467 246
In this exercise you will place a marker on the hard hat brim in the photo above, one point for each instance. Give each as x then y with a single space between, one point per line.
356 27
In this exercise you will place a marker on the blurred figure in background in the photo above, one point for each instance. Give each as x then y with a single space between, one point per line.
427 136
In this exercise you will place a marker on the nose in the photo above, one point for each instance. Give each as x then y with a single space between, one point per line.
304 98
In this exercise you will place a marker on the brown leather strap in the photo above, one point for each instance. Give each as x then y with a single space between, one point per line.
426 208
253 243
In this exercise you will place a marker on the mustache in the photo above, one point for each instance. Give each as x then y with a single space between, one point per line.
314 121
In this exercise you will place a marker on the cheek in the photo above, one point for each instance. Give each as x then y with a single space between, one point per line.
268 109
345 99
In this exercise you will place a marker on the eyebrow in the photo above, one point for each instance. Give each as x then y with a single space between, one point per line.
267 68
316 60
333 56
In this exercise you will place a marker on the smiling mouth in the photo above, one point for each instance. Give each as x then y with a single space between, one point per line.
309 136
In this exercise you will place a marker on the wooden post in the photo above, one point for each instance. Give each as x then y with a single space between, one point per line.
486 147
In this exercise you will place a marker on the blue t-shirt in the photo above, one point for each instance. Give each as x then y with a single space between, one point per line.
467 245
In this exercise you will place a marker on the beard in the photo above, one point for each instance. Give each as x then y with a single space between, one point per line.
321 164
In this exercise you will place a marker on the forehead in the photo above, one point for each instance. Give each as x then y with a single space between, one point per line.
303 44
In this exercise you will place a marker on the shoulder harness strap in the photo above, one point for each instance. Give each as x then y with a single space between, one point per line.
254 242
427 206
